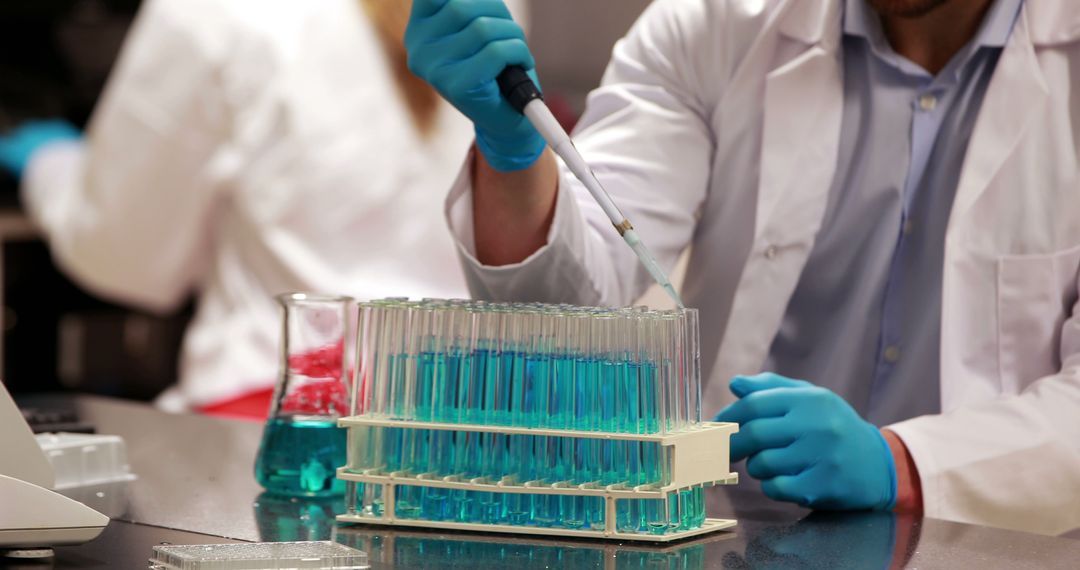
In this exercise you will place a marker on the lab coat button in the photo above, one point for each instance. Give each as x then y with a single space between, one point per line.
909 226
892 354
927 102
770 252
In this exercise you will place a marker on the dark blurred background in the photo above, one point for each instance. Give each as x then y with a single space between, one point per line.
55 56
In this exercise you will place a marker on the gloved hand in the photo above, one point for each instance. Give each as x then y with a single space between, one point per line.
808 446
460 47
18 146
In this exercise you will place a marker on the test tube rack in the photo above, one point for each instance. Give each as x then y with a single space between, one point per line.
656 454
696 462
417 548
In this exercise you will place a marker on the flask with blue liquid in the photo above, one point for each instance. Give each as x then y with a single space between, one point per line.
302 446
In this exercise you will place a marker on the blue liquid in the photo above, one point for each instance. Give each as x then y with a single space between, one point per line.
425 395
482 507
689 557
300 457
682 510
531 387
523 458
414 552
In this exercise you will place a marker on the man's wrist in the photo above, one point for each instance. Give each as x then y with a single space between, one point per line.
908 484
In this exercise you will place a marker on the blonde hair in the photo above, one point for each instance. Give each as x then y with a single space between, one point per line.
390 17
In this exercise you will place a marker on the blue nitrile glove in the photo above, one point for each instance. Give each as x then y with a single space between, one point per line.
18 146
808 446
460 47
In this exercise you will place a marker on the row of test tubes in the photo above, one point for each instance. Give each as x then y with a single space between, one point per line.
676 511
418 551
557 367
630 370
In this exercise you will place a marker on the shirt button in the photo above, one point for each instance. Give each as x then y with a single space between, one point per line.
770 252
892 354
927 102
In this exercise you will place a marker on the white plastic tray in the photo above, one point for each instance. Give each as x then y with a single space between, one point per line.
259 556
82 460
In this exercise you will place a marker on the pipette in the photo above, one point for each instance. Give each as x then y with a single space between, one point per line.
524 96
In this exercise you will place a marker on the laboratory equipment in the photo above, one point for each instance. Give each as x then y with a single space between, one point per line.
33 516
90 468
302 444
291 519
531 418
322 555
524 96
83 460
420 549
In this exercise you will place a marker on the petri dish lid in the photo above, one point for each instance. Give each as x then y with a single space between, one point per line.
324 555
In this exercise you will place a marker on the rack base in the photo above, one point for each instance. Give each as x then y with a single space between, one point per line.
710 525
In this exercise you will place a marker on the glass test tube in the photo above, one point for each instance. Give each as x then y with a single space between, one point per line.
693 351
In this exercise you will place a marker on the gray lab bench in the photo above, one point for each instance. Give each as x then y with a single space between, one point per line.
195 486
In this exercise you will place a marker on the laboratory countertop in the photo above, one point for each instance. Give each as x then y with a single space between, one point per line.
195 479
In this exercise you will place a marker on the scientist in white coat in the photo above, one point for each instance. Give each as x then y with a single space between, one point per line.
244 149
882 201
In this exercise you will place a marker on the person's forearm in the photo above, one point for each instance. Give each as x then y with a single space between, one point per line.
512 211
908 486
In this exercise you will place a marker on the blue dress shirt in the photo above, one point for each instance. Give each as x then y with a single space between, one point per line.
865 317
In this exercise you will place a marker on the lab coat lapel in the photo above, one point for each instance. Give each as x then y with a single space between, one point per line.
801 129
803 109
1017 97
1017 94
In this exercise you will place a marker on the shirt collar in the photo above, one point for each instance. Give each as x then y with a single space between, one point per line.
861 20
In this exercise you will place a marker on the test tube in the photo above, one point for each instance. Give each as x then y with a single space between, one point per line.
666 374
693 351
406 362
564 359
540 366
455 364
487 366
585 417
422 362
678 347
360 398
380 366
675 510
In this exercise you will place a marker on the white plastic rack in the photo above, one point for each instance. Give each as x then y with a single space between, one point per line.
699 457
413 548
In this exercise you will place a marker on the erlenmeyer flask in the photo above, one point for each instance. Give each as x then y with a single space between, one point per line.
302 447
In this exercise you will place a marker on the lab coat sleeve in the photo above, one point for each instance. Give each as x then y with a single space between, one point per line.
647 135
1013 462
126 213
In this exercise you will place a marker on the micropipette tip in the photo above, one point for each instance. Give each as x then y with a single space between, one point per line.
649 262
670 290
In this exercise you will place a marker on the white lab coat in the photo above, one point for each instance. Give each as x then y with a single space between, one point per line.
244 149
717 126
